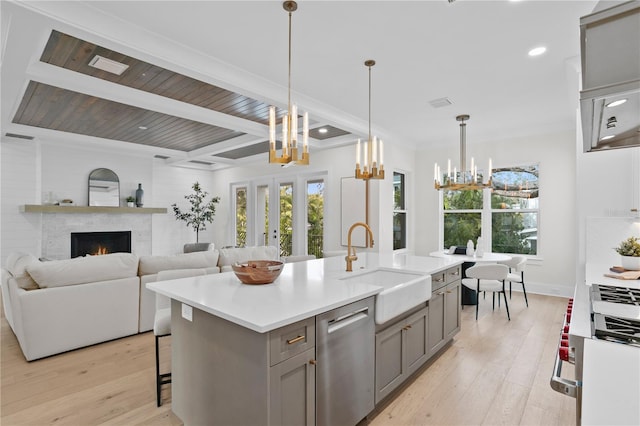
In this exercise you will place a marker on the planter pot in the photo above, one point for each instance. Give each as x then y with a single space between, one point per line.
631 263
192 247
131 204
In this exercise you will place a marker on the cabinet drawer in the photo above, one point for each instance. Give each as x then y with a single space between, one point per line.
438 280
453 274
291 340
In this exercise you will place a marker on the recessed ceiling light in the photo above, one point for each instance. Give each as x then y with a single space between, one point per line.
616 103
536 51
142 127
108 65
606 138
323 130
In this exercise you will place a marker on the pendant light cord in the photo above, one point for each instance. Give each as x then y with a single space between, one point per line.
289 88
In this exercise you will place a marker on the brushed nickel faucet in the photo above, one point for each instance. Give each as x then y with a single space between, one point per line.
351 252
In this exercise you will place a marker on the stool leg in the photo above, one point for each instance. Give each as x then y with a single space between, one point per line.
158 380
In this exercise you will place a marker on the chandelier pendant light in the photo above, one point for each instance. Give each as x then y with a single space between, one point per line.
290 153
373 154
463 180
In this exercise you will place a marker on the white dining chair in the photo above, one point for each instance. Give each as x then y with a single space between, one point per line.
516 266
162 322
487 277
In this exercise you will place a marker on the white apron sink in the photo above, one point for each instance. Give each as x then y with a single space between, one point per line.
402 290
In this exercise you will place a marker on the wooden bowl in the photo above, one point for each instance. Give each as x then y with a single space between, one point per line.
258 271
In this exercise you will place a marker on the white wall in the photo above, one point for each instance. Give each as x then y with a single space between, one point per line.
32 168
553 272
608 187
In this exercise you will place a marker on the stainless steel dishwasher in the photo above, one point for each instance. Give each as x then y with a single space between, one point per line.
345 353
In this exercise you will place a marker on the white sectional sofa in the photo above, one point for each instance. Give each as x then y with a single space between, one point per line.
60 305
54 307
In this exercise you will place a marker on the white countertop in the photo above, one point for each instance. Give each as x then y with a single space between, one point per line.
486 257
302 290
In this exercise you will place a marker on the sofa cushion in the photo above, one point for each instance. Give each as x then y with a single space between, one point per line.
197 260
17 266
231 256
82 270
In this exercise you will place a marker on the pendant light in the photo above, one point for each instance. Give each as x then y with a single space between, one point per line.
289 153
373 154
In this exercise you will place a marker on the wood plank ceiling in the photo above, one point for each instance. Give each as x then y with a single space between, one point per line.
55 108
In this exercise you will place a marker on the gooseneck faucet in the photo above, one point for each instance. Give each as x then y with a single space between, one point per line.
351 252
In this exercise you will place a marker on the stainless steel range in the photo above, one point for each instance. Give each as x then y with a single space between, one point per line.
604 314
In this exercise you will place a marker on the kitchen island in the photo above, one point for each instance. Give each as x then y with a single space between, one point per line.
244 354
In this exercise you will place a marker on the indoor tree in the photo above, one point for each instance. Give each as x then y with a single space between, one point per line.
201 212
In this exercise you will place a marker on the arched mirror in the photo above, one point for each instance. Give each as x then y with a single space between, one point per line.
104 188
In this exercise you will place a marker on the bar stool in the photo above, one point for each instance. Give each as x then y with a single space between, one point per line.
162 322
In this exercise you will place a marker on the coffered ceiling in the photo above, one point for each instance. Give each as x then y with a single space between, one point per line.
201 75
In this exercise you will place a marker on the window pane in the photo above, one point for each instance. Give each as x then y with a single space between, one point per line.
462 200
514 232
399 230
399 212
514 182
315 217
286 219
461 227
398 191
241 217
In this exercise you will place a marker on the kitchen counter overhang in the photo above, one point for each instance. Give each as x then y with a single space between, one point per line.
303 289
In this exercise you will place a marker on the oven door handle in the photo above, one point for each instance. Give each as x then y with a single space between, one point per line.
560 384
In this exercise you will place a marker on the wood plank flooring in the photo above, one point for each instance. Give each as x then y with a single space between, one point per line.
496 372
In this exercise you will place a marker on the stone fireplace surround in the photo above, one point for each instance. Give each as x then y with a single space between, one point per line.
57 229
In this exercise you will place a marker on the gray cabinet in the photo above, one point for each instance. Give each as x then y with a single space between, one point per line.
400 350
444 308
223 373
292 390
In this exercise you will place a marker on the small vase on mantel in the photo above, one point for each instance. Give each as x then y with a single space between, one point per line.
139 196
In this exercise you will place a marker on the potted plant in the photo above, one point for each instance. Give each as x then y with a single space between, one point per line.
629 250
200 213
131 201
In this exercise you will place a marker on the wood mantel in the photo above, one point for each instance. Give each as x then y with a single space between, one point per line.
37 208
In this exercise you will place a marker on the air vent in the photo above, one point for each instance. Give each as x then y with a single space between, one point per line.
162 157
108 65
206 163
441 102
17 136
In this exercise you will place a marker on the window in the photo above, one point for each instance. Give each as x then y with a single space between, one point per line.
399 212
241 216
514 210
510 210
462 217
315 217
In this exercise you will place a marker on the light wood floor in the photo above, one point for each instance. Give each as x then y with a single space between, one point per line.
495 372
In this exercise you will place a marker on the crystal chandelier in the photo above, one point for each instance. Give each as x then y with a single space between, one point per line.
373 167
463 180
289 154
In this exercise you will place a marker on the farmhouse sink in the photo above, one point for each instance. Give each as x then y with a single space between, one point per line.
402 290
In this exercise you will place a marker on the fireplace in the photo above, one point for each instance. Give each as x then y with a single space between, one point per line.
95 243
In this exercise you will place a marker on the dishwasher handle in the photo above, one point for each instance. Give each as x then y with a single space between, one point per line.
347 320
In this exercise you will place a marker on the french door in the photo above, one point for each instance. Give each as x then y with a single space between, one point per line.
284 212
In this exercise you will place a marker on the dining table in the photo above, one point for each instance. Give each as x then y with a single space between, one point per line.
469 297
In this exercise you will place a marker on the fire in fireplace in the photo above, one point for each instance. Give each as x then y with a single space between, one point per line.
97 243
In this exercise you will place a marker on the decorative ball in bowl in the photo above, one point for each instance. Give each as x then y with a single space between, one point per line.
258 271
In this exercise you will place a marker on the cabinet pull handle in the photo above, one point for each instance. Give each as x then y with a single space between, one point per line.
313 362
295 340
439 280
457 272
449 292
